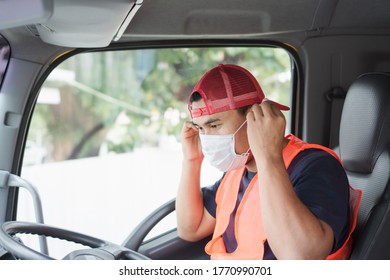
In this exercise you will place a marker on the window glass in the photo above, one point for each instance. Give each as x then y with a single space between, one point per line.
104 147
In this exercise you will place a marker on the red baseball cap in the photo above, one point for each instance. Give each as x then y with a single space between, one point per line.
226 87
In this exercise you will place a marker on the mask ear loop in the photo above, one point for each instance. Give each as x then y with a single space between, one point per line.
247 152
240 127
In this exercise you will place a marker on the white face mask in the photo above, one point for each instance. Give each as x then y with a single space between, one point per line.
219 150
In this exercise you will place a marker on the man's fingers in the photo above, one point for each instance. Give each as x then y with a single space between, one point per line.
268 108
189 130
250 116
257 111
189 125
265 109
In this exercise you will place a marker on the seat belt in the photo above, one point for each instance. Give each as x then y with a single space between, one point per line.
336 96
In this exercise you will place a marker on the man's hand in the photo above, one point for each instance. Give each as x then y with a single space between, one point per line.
266 128
193 221
191 146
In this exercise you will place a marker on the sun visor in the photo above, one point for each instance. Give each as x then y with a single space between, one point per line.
78 24
15 13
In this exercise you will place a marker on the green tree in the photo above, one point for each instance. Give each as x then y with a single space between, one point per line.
125 99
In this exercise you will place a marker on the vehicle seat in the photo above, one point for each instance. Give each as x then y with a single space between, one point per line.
365 152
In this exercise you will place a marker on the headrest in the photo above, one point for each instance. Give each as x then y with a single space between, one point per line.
365 122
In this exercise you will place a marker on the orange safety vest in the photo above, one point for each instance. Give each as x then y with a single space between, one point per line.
249 230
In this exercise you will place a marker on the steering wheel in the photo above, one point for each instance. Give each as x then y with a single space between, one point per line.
137 236
100 249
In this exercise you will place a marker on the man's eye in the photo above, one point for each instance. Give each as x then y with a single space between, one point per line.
214 125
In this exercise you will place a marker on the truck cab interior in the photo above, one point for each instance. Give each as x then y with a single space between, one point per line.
93 95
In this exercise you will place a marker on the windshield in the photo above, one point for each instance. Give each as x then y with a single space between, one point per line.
103 147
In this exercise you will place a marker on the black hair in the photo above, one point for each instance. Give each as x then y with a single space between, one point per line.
195 97
243 110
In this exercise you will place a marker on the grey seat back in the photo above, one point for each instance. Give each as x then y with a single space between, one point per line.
365 152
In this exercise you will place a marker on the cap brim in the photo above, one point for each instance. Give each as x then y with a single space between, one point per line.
280 106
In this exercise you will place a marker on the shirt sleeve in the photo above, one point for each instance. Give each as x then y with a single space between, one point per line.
209 194
321 183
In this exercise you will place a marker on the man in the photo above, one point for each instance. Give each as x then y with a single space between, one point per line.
279 198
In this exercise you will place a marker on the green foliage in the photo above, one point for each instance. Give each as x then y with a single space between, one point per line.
139 95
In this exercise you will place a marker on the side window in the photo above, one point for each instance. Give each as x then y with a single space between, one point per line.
104 142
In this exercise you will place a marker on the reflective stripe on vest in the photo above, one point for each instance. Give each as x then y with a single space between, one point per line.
248 228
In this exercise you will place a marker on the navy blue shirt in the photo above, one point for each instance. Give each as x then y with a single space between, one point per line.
319 181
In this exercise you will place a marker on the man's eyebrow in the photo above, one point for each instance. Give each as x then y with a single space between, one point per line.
208 122
211 121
